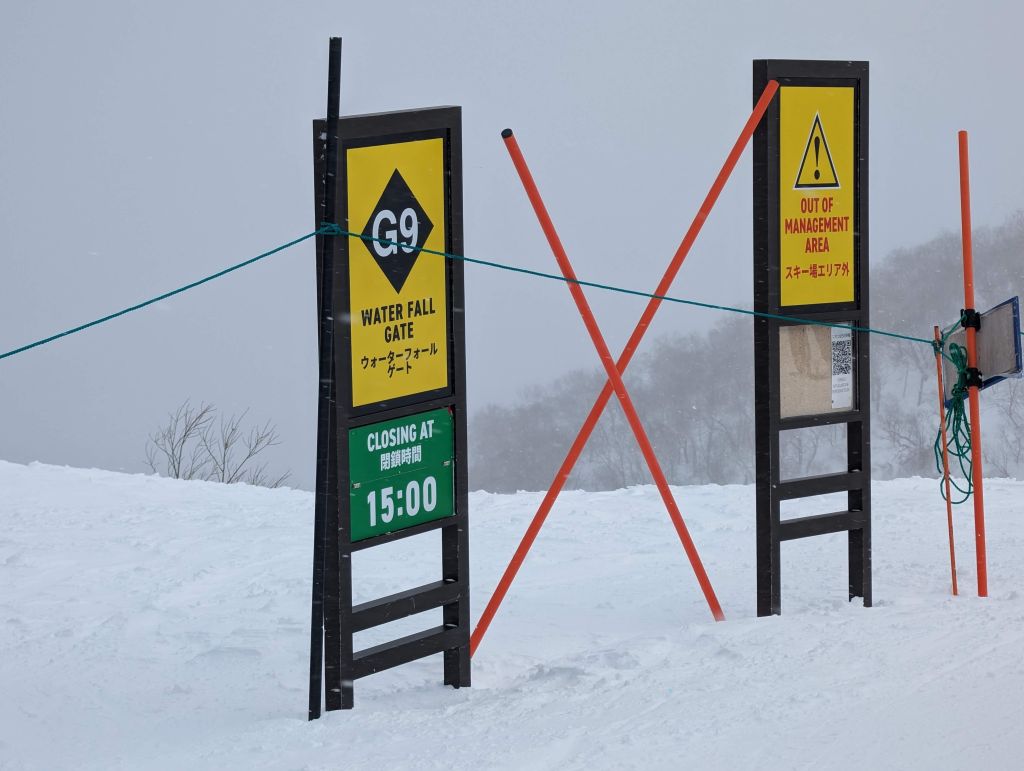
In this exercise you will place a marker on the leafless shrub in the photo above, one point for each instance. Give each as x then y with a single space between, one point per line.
195 444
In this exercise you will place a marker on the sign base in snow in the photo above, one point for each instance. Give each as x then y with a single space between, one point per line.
391 436
810 263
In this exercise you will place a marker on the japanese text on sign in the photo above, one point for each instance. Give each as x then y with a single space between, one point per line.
401 473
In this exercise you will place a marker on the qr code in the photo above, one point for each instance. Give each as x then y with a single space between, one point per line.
842 356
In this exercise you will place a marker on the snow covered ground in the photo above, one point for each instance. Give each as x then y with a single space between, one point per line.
149 623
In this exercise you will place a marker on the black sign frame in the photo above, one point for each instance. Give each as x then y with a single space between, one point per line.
334 664
856 480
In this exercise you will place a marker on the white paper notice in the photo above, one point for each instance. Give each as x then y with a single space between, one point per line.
842 369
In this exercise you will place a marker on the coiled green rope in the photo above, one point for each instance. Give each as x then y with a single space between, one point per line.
958 425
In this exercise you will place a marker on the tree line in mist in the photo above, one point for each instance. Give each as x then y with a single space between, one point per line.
695 392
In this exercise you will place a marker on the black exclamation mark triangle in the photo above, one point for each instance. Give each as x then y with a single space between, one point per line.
817 171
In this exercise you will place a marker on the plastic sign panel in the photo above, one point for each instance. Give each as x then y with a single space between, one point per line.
401 473
999 347
816 370
816 195
399 305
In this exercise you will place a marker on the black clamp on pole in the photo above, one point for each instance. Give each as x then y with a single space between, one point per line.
970 318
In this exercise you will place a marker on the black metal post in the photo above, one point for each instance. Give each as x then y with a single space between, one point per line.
455 538
324 625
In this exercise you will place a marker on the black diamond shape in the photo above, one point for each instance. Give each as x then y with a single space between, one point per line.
396 231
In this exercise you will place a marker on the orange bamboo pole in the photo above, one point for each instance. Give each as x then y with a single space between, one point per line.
945 460
612 371
972 361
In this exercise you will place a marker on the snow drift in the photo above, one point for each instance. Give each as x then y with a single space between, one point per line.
151 623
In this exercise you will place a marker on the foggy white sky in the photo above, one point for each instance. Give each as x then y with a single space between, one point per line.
145 145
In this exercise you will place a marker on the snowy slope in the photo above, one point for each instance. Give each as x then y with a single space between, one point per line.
148 623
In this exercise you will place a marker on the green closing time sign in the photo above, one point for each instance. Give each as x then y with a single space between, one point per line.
401 473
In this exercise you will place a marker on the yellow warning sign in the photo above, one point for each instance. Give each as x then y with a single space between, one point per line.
817 169
398 294
816 195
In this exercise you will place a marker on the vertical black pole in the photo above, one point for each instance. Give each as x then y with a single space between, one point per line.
859 435
766 337
859 540
455 538
324 630
316 624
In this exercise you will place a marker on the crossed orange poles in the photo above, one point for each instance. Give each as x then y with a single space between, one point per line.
615 370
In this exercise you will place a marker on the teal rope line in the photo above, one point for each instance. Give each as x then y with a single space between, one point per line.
636 292
324 229
330 229
956 418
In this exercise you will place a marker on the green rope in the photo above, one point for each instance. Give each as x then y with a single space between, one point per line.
956 418
957 422
958 426
634 292
330 229
324 229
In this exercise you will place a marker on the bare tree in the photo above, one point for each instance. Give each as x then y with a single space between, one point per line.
176 446
232 452
194 444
